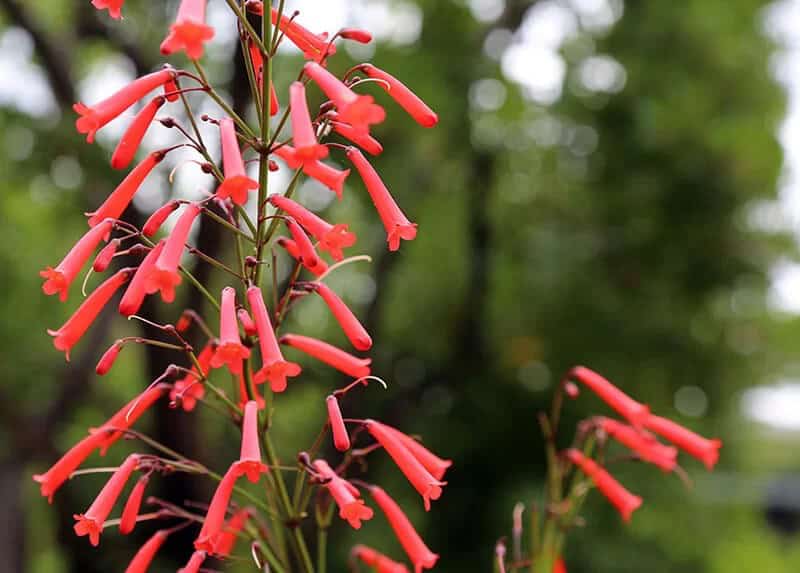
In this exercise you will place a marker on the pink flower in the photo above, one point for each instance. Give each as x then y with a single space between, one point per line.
625 502
132 138
355 332
116 203
250 462
430 461
379 561
134 295
154 221
144 557
247 323
164 275
273 366
345 494
620 402
91 522
130 512
236 184
394 221
332 238
230 350
305 140
60 278
60 472
341 439
189 32
114 7
360 111
407 99
356 34
95 117
707 451
330 355
413 545
76 326
642 443
427 486
215 517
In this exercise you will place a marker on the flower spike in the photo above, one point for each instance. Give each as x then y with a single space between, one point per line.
230 350
273 366
189 32
236 184
329 354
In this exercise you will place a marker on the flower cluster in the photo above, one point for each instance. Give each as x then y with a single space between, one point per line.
247 344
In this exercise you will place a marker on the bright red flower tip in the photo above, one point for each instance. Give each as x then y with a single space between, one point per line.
559 566
394 221
413 545
364 140
195 562
345 494
154 221
60 278
358 110
60 472
707 451
236 184
356 34
114 7
163 276
230 350
126 417
130 512
433 463
353 329
332 238
416 473
144 557
273 366
215 517
107 360
95 117
625 502
250 462
308 254
76 326
329 354
642 443
305 140
247 323
226 540
171 90
105 256
91 522
379 561
620 402
116 203
341 439
294 251
189 32
407 99
132 138
134 295
315 47
189 389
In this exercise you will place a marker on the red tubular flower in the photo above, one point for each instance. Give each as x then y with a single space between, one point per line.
250 463
305 140
345 494
353 329
332 178
559 566
273 366
430 461
364 140
415 548
189 32
394 221
377 560
126 417
243 395
134 295
164 276
60 472
107 359
76 326
332 238
226 540
132 138
121 197
356 34
427 485
247 323
407 99
144 557
625 502
330 355
341 439
620 402
114 7
195 562
230 350
59 279
258 70
642 443
131 510
189 389
236 184
215 517
294 251
308 254
171 90
104 257
358 110
154 221
707 451
314 47
91 522
95 117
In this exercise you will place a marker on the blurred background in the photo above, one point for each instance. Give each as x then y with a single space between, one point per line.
615 184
